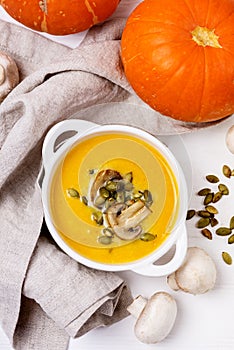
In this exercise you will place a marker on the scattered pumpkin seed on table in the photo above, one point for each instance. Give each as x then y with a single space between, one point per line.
207 233
227 171
227 258
212 178
223 231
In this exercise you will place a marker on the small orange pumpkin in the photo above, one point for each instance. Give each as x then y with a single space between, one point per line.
179 57
59 17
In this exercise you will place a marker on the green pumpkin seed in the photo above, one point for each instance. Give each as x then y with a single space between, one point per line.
231 239
211 209
84 200
204 191
99 201
104 193
107 231
120 197
111 185
148 197
72 192
204 214
212 178
208 198
129 176
231 225
213 222
227 258
203 222
223 189
97 217
223 231
227 171
190 214
104 240
217 196
206 233
147 237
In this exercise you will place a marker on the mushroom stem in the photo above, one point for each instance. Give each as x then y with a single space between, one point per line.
2 74
137 306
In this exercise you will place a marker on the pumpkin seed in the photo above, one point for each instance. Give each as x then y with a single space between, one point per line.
111 186
231 239
104 240
72 192
203 222
190 214
99 201
211 209
223 231
217 196
97 217
227 258
227 171
212 178
204 191
148 197
120 197
107 231
231 225
84 200
204 214
129 176
128 186
146 237
206 233
104 193
213 222
208 198
223 189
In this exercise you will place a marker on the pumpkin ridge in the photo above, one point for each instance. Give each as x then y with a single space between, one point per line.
190 10
157 22
224 20
172 75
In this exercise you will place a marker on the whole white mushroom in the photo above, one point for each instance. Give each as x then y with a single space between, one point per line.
155 317
230 139
197 274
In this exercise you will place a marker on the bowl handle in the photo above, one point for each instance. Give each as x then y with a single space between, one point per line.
176 261
68 129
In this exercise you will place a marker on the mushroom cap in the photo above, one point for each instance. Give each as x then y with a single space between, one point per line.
230 139
197 275
157 318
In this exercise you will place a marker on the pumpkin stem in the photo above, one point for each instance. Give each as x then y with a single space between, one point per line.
205 37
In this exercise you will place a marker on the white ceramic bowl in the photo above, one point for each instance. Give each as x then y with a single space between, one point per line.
59 140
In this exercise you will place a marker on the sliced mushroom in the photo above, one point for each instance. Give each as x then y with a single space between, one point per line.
127 234
125 222
155 317
9 75
113 211
135 219
102 177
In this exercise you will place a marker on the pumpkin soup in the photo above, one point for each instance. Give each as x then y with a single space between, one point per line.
114 198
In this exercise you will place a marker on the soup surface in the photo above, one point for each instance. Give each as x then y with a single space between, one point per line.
149 184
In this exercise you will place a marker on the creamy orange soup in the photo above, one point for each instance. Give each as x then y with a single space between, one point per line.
123 153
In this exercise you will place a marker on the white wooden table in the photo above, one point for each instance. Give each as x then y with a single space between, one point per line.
204 322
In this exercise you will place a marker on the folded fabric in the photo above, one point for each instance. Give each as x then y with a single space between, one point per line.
57 83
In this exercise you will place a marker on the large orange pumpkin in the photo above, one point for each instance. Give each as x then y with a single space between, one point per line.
59 17
179 57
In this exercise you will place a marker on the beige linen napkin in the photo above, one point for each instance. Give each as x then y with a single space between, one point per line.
56 83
